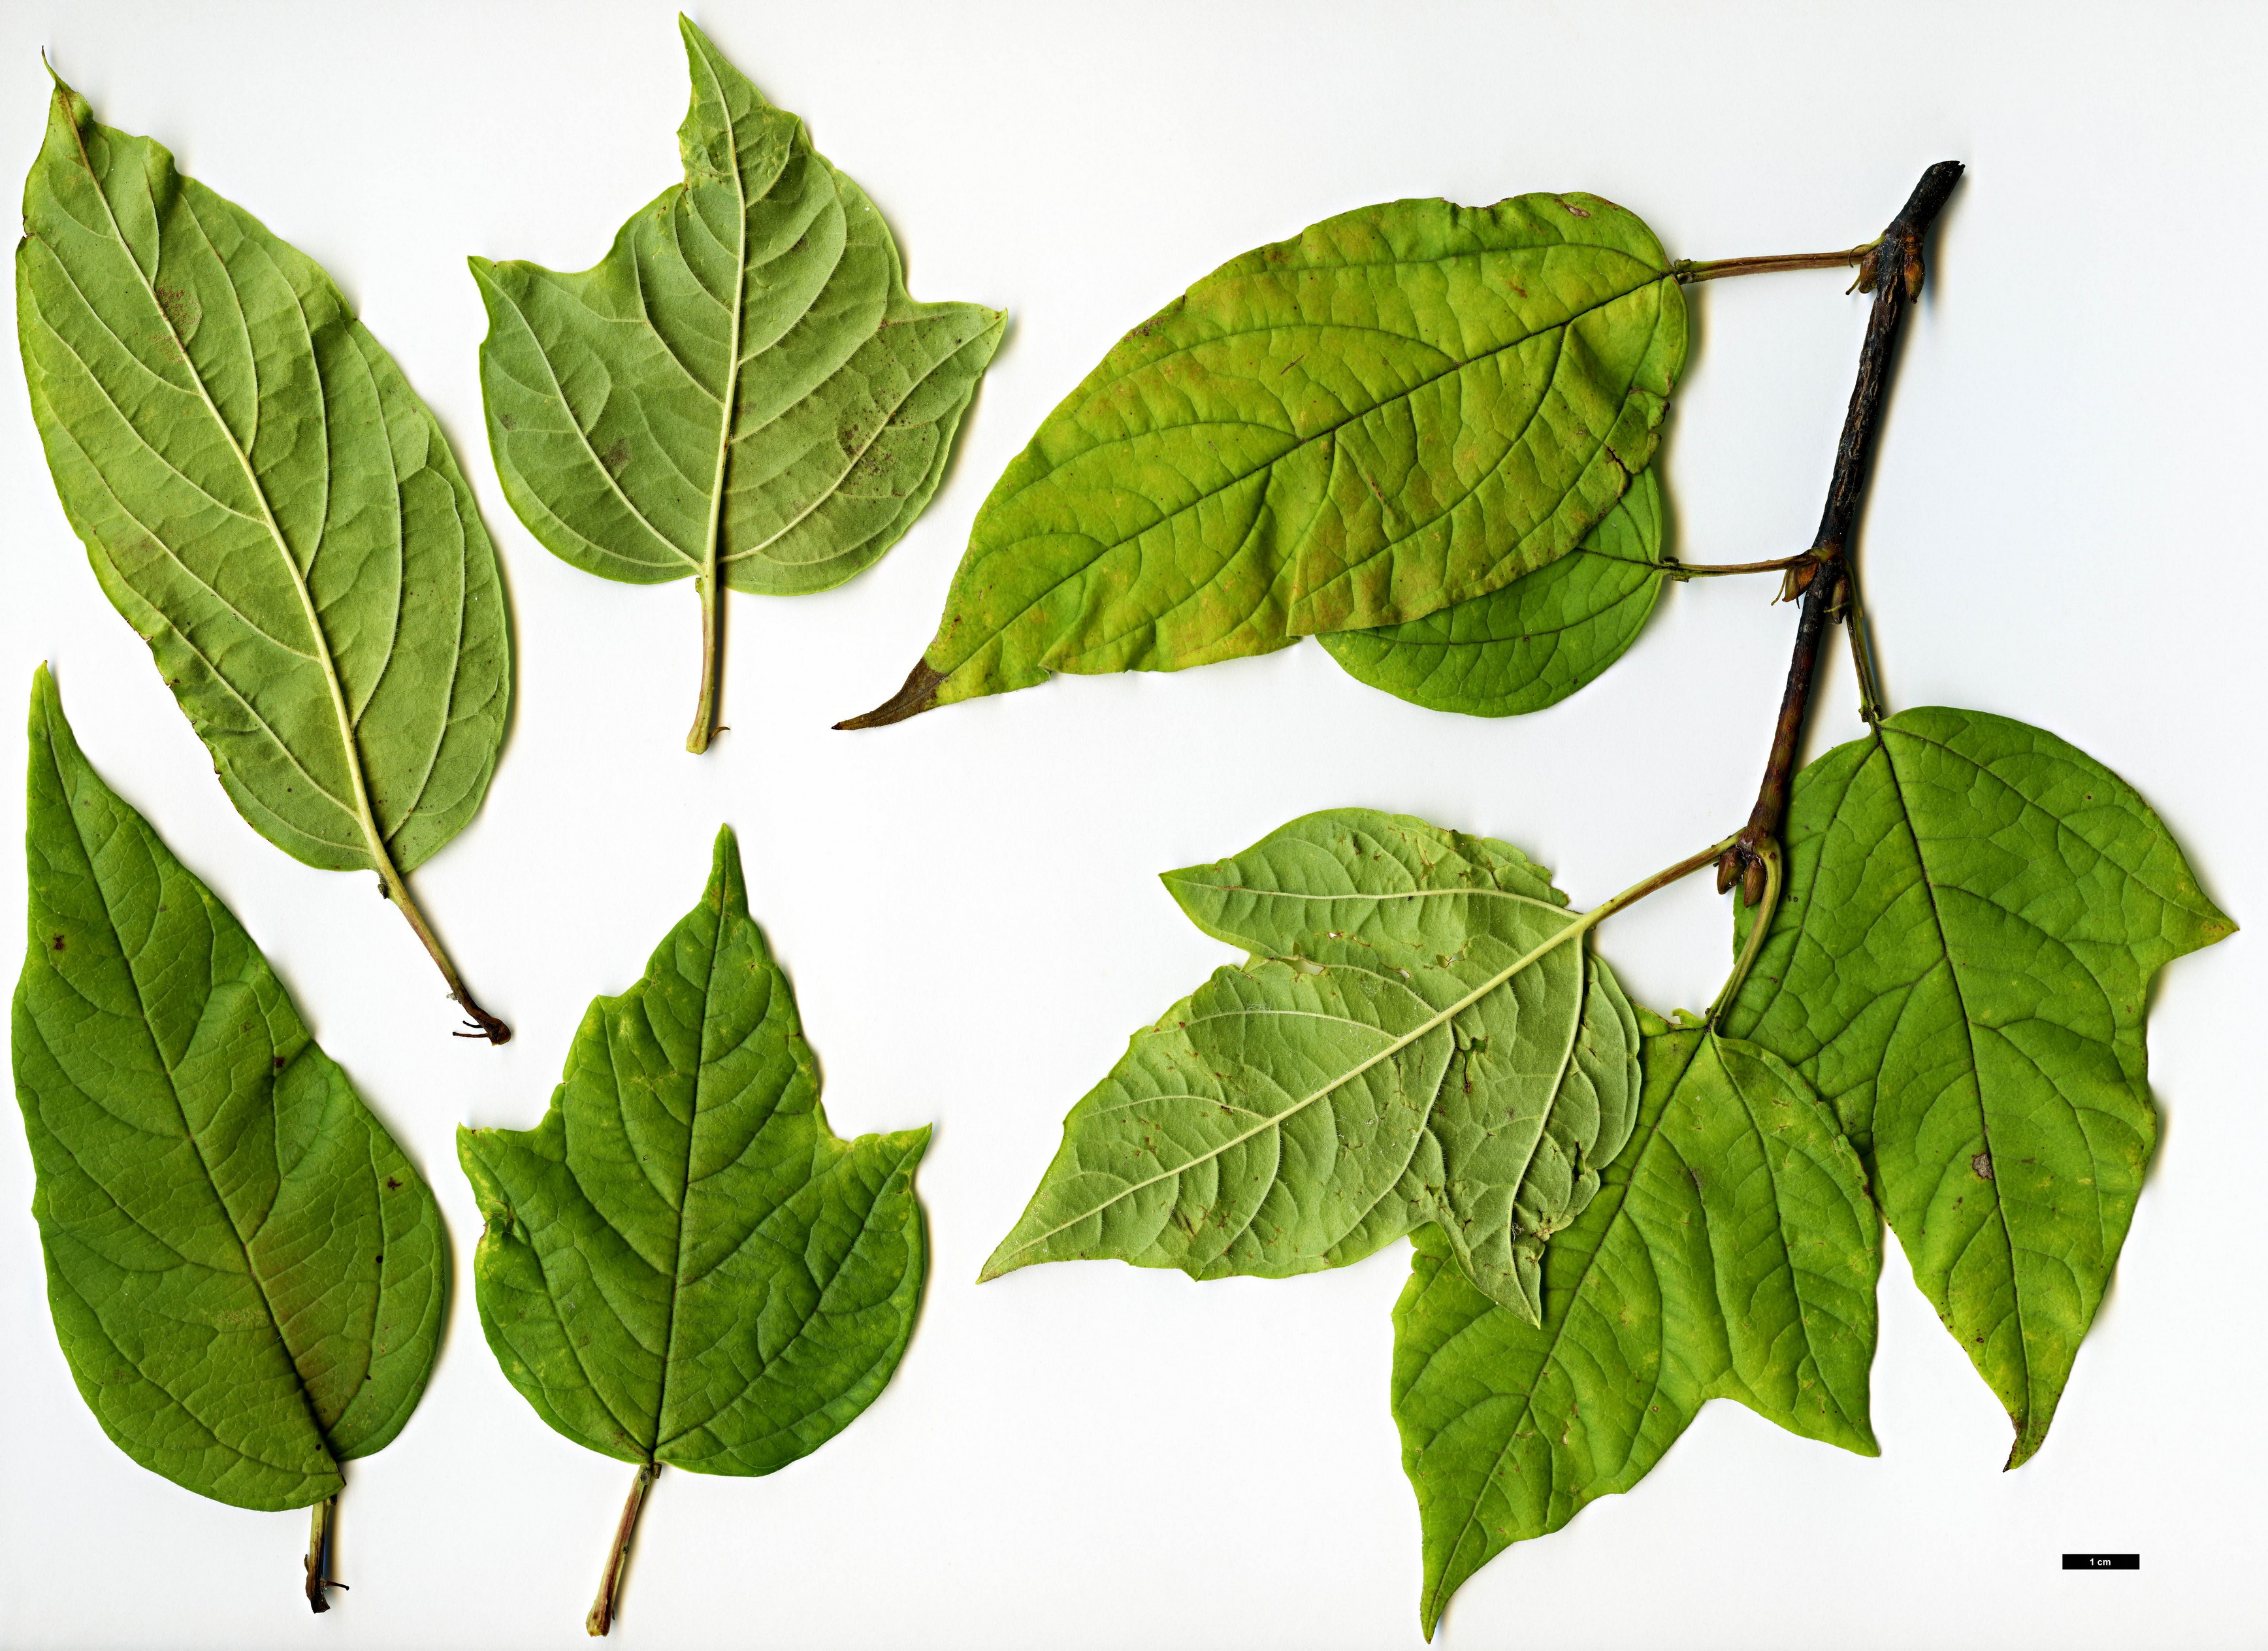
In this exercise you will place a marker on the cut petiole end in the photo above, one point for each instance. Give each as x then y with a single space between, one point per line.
479 1022
602 1620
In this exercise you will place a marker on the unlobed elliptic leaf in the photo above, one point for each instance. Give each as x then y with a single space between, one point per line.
743 376
247 1274
1732 1252
1410 1044
1406 406
1960 964
682 1262
265 500
1529 644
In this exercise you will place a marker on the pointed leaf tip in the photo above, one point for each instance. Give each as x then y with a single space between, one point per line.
728 889
919 694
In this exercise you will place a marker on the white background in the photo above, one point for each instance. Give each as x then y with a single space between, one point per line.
2063 529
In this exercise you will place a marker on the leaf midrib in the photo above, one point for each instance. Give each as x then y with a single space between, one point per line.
685 1180
1456 365
189 1132
730 399
1976 1066
1401 894
372 844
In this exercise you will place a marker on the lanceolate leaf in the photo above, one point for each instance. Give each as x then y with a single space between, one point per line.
1531 643
1731 1253
682 1264
1407 406
1960 964
1410 1044
267 502
246 1275
742 389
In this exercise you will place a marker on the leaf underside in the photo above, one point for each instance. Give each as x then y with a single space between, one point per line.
265 500
1531 642
1732 1252
246 1275
1960 965
1405 407
682 1262
749 333
1391 1056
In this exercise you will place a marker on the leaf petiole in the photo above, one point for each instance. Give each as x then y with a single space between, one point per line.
602 1618
712 656
1688 270
319 1554
396 888
1757 931
1724 569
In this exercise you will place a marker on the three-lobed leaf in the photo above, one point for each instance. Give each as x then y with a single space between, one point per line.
1531 642
682 1262
1960 964
265 500
1405 407
1732 1252
246 1275
1419 1037
742 389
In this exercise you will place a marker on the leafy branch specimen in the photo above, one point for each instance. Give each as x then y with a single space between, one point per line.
682 1262
267 502
246 1275
1939 982
741 392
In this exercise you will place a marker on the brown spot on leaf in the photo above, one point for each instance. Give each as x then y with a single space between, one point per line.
507 421
616 456
181 311
392 1185
59 942
279 1062
1981 1166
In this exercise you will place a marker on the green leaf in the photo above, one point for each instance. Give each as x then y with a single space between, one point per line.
1531 643
265 500
1412 1042
1731 1253
1960 964
1408 406
682 1264
246 1275
742 386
